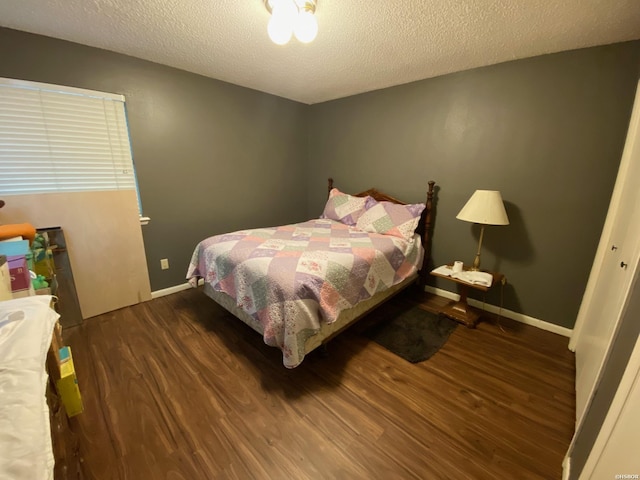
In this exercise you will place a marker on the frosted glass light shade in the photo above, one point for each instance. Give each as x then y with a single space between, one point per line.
485 207
283 17
279 31
306 27
289 17
280 26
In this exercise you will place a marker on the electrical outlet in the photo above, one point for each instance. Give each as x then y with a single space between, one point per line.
164 263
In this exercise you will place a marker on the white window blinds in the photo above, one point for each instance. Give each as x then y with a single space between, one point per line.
62 139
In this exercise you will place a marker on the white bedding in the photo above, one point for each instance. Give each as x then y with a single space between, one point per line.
26 326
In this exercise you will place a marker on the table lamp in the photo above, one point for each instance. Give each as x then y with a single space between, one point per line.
485 207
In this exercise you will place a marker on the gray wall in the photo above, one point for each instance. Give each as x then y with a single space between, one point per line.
548 132
210 156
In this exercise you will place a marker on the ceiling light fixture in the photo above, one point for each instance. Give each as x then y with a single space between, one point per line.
292 17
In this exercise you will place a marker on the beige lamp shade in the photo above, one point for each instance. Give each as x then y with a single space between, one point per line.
485 207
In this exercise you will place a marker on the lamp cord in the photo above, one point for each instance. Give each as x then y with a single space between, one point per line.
484 301
501 303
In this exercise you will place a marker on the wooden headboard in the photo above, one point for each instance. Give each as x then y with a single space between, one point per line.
424 227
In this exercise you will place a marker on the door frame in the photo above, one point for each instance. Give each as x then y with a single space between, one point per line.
603 246
632 142
629 378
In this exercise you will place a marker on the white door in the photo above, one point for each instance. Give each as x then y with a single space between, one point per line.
615 450
612 273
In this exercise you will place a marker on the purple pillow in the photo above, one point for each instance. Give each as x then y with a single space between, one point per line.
343 207
390 218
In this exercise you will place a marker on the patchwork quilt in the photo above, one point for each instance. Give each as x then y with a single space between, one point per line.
293 277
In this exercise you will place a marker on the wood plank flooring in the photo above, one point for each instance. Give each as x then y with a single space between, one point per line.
176 388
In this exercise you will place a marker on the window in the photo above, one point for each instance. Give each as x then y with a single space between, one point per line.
62 139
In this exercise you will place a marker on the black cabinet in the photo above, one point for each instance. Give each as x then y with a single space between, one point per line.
61 280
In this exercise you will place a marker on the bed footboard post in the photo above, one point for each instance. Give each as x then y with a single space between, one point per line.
426 235
329 185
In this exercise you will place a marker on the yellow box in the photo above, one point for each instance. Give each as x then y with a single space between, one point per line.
68 384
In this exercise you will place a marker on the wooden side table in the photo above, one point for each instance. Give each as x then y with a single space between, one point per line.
461 311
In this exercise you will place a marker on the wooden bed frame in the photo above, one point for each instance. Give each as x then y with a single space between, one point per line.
349 316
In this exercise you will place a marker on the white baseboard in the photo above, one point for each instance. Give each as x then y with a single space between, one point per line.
174 289
566 468
519 317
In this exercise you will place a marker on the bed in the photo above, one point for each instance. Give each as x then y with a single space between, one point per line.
300 285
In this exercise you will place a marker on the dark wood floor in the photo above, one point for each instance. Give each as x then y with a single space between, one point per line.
176 388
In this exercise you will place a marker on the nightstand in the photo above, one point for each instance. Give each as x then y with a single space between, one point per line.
461 311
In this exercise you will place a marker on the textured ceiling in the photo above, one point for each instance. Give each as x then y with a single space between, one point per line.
362 45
